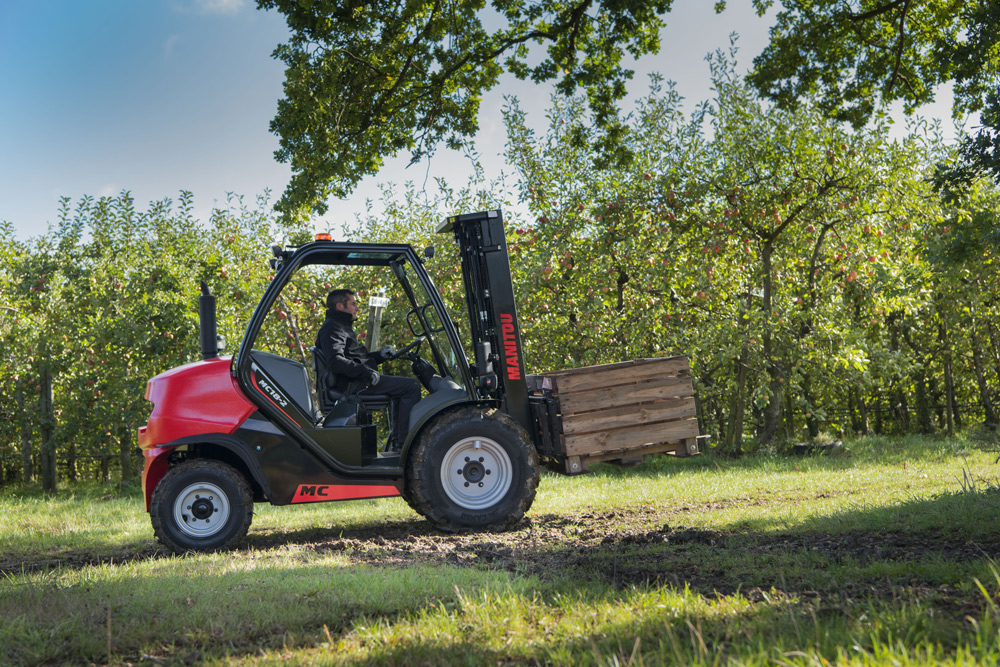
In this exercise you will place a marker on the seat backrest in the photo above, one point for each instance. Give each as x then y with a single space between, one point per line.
324 380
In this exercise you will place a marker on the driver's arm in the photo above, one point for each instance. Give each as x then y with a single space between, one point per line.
334 347
384 354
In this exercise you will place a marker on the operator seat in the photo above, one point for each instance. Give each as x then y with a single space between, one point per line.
342 409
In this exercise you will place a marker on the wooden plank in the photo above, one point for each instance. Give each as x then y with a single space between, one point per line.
618 364
615 396
672 448
629 415
597 377
628 438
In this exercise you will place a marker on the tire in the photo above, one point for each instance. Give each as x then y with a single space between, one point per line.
472 470
201 505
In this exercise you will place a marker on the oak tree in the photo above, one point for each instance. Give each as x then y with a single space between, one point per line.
367 80
853 57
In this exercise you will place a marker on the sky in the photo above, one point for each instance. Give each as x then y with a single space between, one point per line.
159 96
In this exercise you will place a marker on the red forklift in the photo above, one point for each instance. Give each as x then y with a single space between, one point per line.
265 426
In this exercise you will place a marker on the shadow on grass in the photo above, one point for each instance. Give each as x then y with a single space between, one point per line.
460 607
837 568
635 545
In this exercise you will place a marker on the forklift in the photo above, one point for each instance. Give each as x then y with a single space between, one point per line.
226 432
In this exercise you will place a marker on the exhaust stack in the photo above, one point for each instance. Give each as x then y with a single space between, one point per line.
206 316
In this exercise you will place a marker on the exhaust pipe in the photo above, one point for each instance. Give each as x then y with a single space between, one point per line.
206 316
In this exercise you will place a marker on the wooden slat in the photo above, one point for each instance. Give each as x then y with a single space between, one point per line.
600 368
616 396
627 438
629 415
678 449
597 377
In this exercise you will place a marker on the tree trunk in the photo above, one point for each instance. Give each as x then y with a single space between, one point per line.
789 410
949 378
924 421
937 406
950 406
26 461
812 424
994 346
48 422
720 419
733 444
879 426
899 405
989 416
125 452
863 413
71 468
772 411
859 412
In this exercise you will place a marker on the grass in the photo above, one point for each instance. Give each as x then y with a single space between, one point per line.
878 555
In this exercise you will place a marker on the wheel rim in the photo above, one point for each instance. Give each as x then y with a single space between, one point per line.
476 473
201 510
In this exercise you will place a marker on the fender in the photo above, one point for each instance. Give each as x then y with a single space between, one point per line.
430 407
156 465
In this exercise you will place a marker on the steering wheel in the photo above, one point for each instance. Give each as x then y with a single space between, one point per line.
412 346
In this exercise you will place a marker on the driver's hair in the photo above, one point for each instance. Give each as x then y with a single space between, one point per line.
337 296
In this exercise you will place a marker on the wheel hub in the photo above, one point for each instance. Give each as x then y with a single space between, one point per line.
476 473
201 509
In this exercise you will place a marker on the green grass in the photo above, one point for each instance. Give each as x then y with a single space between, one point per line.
878 555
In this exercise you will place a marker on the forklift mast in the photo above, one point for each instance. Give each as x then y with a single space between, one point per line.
493 322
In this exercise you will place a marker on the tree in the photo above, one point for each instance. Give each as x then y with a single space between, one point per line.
366 80
850 56
769 250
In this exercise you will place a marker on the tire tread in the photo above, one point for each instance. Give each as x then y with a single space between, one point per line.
242 504
418 487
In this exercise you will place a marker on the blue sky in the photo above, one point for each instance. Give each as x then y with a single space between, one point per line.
159 96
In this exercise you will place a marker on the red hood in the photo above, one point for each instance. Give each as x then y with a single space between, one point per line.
200 397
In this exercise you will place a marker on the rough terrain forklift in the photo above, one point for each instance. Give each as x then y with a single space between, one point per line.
226 432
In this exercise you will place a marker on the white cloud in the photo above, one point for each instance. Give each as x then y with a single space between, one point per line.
169 44
109 190
213 6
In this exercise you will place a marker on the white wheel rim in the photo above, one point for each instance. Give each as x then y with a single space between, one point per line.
201 510
476 473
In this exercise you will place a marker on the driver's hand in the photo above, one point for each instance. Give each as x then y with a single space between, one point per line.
373 378
387 352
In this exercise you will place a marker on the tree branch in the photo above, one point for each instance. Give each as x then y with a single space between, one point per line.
878 11
899 51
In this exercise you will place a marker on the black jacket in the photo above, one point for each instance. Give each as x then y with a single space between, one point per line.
346 359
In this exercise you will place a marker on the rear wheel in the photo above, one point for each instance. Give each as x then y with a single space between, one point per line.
473 470
201 505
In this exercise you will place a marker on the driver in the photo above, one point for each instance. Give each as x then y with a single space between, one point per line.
349 361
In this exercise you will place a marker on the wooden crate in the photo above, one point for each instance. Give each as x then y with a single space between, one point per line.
622 412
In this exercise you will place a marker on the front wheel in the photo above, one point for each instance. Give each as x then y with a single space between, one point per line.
473 470
201 505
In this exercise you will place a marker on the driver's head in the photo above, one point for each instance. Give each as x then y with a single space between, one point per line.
343 300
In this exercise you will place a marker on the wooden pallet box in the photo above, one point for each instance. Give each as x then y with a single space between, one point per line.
619 412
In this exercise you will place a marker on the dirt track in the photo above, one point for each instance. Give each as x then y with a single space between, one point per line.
625 547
